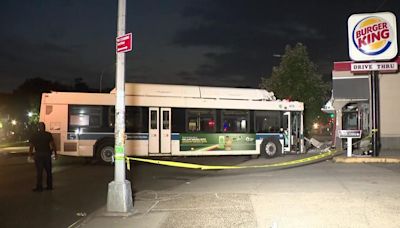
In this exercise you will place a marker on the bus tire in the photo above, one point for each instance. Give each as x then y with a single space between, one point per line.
105 152
270 148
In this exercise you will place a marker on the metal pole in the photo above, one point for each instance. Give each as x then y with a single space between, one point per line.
101 80
375 112
120 100
119 198
349 147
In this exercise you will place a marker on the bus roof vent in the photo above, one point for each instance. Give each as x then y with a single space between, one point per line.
158 90
236 93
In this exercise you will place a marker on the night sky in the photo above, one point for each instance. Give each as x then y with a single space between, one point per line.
203 42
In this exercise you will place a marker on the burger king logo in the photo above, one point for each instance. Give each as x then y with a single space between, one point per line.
372 35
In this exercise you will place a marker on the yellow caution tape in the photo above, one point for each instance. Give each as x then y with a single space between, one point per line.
119 157
219 167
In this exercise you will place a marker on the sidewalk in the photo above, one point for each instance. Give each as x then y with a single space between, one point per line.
166 209
384 157
365 159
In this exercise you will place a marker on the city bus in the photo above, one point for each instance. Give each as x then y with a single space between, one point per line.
175 120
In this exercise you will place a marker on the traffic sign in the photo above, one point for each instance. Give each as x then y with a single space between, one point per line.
124 43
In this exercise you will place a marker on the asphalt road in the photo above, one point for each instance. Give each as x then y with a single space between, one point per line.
318 195
80 187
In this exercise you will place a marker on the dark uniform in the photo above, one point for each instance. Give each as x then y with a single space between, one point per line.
43 143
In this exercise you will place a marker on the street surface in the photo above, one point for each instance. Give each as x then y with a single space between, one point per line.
324 194
78 188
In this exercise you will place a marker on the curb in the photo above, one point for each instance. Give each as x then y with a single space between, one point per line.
392 160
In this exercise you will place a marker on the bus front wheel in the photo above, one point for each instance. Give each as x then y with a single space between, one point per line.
270 148
105 153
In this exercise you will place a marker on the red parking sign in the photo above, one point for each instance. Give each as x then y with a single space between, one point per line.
124 43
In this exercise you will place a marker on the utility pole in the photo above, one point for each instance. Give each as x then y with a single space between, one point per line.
119 198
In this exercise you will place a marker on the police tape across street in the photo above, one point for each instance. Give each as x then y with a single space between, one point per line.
315 158
327 155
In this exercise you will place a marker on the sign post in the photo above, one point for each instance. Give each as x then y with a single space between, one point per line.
373 37
119 198
349 134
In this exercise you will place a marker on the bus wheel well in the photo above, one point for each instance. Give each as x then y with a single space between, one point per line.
104 149
270 147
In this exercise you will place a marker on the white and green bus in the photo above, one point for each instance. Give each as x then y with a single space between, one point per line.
175 120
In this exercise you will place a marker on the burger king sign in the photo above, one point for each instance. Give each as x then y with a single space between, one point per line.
372 36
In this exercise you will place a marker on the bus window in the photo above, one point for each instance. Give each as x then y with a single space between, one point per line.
165 120
136 119
85 118
200 120
285 122
267 121
153 119
178 120
235 121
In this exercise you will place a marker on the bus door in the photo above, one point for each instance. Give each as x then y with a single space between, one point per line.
287 132
159 130
296 127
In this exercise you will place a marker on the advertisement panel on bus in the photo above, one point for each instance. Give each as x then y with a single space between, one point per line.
217 142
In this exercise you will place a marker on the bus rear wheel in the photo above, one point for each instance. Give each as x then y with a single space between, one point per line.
105 153
270 148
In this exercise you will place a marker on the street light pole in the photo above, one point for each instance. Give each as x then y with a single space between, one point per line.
119 198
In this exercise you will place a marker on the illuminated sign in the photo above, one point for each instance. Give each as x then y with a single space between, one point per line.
372 36
377 66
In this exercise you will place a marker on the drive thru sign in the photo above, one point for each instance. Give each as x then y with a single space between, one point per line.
124 43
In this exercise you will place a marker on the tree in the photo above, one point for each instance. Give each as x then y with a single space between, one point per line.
80 85
27 95
296 78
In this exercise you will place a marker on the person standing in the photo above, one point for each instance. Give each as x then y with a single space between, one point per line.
43 143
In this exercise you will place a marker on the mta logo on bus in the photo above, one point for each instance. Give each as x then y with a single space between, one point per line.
372 35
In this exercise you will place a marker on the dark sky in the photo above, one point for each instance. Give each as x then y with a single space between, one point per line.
203 42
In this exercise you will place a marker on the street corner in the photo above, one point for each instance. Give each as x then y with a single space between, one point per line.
103 218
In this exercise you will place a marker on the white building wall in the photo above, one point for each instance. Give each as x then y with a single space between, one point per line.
390 110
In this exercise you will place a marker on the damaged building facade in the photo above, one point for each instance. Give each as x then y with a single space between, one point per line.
351 102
